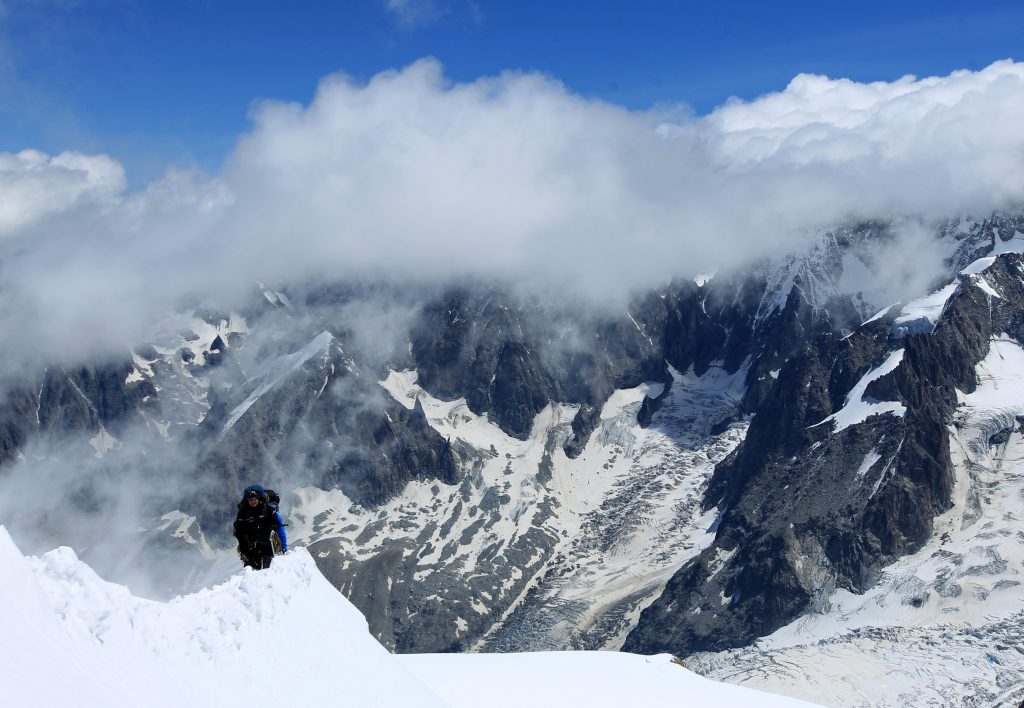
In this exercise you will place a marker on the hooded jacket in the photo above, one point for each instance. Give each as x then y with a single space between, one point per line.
253 526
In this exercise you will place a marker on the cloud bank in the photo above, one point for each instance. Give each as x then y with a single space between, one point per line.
514 178
34 185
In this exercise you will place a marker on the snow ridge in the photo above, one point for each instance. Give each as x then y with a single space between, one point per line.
71 638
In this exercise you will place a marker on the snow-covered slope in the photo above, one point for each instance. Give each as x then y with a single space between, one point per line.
279 637
576 680
282 637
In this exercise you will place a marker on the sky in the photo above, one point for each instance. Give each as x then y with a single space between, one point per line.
156 83
159 154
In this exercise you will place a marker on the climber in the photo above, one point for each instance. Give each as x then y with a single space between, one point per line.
255 523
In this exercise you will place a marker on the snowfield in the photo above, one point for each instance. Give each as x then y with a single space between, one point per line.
283 636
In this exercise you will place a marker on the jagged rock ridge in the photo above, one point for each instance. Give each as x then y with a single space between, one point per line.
817 502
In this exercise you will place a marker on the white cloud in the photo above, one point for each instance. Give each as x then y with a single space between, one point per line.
505 176
34 185
514 176
930 144
414 177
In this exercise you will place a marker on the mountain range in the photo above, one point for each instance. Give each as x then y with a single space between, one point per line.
786 474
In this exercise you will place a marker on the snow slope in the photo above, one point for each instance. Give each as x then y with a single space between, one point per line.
567 679
283 637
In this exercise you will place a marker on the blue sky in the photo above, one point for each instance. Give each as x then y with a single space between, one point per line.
171 83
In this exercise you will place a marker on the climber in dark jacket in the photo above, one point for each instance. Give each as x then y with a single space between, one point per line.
254 523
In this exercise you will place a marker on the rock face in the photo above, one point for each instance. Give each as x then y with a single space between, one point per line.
508 559
509 360
304 418
481 470
817 499
63 403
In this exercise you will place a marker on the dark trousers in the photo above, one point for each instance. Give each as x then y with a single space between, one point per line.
257 560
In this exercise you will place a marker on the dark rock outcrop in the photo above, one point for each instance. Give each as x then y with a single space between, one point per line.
808 508
67 402
314 424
